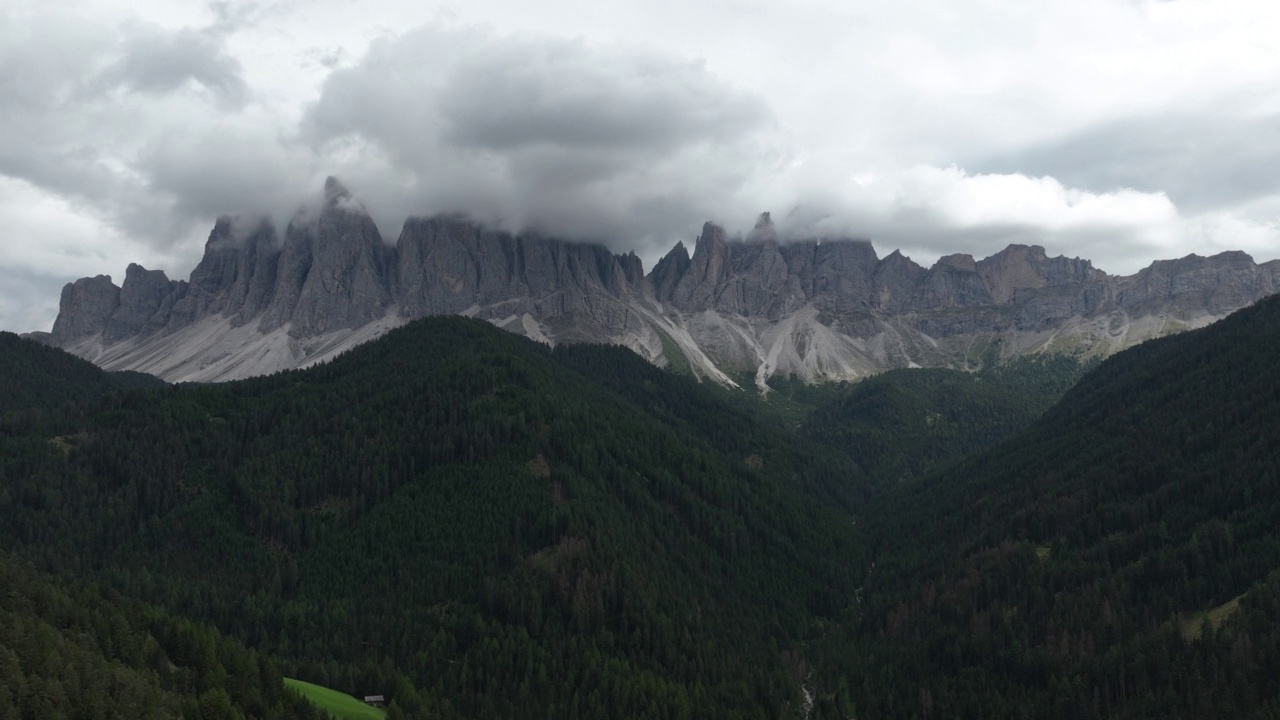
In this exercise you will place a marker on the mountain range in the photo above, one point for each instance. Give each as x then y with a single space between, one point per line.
737 311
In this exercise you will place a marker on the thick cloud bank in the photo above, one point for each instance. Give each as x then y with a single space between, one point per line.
1119 131
570 137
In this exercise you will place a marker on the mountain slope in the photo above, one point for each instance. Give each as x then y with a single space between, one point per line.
83 652
903 424
480 526
469 518
1069 571
48 389
821 309
38 376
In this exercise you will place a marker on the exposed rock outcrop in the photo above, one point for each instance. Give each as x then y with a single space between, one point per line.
84 309
237 275
349 281
142 297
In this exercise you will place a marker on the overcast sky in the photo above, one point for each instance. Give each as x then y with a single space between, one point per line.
1122 131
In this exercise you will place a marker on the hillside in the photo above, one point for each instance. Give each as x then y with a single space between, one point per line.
41 381
1069 572
466 521
902 425
82 651
476 525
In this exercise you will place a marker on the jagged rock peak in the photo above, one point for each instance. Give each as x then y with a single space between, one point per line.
668 271
141 295
221 230
1228 258
958 261
713 241
764 230
233 231
708 268
84 309
338 198
334 190
632 268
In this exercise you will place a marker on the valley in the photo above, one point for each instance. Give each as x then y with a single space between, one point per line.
479 525
625 361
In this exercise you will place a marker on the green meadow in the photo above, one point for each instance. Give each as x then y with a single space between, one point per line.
340 705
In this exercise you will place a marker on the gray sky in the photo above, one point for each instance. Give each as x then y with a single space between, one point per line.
1118 130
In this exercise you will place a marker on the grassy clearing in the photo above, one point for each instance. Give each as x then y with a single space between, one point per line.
1193 627
676 360
340 705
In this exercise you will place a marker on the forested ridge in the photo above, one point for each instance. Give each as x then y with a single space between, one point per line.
462 516
85 652
902 425
44 388
479 526
1117 559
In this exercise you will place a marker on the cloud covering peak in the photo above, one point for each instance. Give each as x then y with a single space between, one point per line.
1122 132
561 134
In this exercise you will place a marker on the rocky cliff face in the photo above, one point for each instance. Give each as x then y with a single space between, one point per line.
84 309
735 309
236 277
340 274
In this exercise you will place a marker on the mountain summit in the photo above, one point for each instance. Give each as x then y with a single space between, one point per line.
825 309
335 191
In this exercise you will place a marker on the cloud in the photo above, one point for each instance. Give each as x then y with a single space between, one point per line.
1118 131
929 211
564 135
520 94
159 62
1203 162
150 131
46 243
228 164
